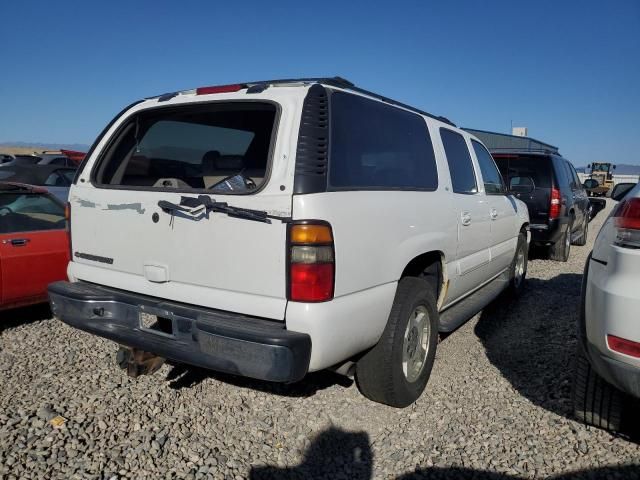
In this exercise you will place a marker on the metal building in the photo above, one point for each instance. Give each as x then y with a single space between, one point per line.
503 141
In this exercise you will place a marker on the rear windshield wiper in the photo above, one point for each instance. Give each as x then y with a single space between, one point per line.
203 204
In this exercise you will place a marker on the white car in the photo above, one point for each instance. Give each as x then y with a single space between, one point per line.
281 227
607 378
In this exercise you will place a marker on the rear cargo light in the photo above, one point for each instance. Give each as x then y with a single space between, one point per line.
554 204
622 345
218 89
311 262
627 223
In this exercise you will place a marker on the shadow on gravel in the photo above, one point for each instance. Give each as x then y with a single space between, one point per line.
23 316
185 376
336 454
532 340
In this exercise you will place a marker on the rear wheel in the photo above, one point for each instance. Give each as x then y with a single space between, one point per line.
395 372
560 250
518 271
582 241
595 402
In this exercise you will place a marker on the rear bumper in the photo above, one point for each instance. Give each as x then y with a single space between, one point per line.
212 339
548 233
609 305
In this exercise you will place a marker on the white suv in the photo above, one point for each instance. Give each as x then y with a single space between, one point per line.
275 228
606 389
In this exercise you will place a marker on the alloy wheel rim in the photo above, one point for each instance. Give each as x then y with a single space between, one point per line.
518 274
416 343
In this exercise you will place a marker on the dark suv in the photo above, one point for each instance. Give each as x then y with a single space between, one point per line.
558 203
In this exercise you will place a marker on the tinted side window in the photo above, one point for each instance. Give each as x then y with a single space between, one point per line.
463 176
376 146
569 174
562 175
574 174
490 175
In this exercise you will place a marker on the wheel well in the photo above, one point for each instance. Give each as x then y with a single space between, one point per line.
428 266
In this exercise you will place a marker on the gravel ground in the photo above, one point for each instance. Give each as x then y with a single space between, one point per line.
497 406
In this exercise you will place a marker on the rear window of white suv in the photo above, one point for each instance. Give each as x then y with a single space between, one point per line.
219 147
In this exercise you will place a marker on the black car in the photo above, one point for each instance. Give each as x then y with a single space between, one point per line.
559 207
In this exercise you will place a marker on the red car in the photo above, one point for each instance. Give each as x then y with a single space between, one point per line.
34 244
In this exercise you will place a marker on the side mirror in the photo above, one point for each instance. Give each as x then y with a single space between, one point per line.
589 166
521 185
621 189
590 183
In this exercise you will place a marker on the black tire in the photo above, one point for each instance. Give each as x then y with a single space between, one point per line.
560 250
582 241
379 373
595 402
516 283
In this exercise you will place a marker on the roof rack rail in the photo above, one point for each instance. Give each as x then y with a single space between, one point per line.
522 149
341 82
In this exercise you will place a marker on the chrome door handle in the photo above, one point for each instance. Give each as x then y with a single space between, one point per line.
493 213
465 219
17 242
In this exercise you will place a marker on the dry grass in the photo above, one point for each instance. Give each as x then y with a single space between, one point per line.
20 150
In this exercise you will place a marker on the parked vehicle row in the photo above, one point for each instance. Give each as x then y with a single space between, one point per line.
62 158
55 179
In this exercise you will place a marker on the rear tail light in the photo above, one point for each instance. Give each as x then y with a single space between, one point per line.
622 345
627 223
311 262
218 89
554 204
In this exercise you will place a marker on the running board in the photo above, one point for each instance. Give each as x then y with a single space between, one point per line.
466 308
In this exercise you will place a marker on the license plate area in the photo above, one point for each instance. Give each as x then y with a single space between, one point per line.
155 322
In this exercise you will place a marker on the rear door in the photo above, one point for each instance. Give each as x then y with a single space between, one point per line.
579 197
502 211
472 207
224 151
34 249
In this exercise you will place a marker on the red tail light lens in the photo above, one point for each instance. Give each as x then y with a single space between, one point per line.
311 262
218 89
554 204
311 282
622 345
627 215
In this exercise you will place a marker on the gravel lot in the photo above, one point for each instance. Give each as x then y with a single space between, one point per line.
497 406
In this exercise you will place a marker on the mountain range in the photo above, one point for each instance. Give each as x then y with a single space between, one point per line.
46 146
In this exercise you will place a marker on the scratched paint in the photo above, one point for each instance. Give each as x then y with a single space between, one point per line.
127 206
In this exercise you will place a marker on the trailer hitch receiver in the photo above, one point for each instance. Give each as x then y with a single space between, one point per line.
138 362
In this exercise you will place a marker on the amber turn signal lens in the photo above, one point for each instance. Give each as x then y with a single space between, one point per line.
309 234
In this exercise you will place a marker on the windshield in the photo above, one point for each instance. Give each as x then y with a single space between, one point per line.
217 147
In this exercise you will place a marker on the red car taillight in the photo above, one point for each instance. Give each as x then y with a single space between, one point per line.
627 223
311 262
554 204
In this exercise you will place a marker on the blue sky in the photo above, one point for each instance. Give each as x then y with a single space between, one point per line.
569 71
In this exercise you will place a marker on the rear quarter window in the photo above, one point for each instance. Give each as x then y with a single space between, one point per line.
378 147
